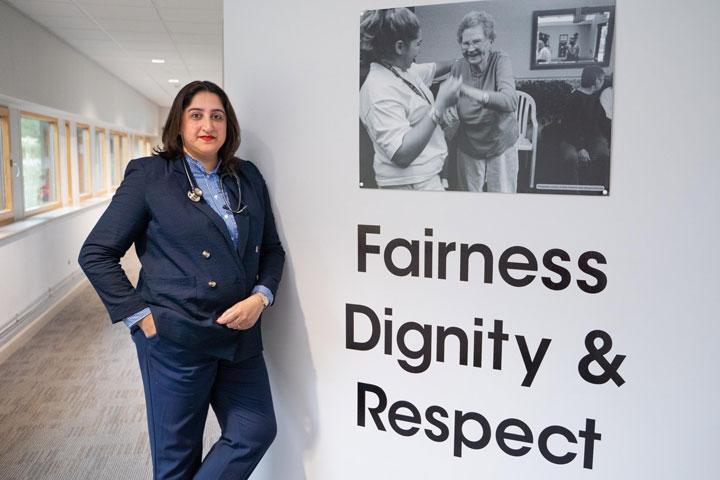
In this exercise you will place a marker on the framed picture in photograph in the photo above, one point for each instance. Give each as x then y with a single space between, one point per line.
453 97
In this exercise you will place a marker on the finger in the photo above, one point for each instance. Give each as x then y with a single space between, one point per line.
226 317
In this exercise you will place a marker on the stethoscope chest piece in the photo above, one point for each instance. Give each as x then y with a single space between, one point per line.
195 194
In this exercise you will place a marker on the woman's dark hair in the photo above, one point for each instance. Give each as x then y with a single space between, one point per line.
381 29
172 146
590 74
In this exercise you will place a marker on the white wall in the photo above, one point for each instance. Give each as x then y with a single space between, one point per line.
40 266
40 73
658 230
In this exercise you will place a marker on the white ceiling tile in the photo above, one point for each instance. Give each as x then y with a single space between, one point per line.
191 15
120 12
41 1
132 25
205 75
145 47
148 55
141 3
109 54
47 8
207 4
148 37
80 33
171 60
194 27
200 53
198 39
207 51
63 22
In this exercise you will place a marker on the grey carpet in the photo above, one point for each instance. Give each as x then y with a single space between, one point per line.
71 400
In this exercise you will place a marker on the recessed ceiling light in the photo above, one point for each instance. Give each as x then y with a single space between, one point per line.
158 60
173 80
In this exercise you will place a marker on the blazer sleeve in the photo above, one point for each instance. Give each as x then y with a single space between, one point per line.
272 254
124 221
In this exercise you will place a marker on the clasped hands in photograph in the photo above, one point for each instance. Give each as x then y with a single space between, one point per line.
452 88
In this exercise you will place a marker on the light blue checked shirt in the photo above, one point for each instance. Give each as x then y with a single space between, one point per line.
209 183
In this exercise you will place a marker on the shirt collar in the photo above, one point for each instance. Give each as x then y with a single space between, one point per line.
197 167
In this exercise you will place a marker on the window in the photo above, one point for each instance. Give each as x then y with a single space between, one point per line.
142 146
84 161
99 163
68 156
40 162
5 168
148 145
138 146
115 159
124 153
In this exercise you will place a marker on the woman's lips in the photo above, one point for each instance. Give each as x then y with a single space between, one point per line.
207 138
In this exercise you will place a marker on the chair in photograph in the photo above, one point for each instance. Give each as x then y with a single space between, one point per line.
526 113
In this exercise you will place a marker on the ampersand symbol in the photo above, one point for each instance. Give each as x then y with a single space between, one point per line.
610 369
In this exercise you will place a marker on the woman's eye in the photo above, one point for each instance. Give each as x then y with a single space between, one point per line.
195 116
218 116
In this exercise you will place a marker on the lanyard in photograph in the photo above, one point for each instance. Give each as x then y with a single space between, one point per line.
409 84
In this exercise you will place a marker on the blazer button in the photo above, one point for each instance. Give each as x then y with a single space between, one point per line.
212 284
206 254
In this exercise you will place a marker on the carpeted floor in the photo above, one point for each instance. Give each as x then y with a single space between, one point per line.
71 400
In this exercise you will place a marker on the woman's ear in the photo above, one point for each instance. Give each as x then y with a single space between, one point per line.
399 47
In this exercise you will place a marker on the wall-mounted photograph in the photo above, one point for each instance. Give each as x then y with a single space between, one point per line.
492 96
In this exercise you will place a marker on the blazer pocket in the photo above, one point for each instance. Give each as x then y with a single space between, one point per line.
172 291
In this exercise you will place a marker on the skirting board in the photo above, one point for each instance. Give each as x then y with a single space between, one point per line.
38 314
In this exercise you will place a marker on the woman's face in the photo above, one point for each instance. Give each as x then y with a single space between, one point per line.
204 127
409 52
475 46
599 82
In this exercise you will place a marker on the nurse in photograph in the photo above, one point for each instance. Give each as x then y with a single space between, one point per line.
396 106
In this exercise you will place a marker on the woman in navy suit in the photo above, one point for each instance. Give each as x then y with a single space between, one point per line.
211 258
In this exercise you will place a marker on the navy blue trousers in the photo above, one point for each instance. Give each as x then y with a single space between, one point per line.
179 386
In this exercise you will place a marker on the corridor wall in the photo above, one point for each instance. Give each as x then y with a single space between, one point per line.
42 74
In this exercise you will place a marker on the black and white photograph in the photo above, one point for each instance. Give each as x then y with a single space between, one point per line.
492 96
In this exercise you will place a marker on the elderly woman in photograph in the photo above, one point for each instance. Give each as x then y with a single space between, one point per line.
396 105
488 133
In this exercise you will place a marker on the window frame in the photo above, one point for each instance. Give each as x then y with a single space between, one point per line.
120 151
69 158
6 215
87 158
103 162
58 201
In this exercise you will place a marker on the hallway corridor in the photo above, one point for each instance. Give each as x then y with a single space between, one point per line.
71 399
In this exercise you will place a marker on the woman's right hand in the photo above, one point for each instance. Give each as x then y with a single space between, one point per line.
448 94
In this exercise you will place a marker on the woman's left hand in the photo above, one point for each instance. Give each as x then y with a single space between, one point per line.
243 314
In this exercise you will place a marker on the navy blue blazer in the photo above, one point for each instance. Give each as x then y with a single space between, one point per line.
191 271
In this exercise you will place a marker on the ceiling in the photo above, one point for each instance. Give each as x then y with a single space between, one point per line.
123 36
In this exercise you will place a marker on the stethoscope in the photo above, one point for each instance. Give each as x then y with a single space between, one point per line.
195 193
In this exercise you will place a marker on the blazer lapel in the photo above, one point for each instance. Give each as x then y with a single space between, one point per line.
202 205
241 219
